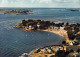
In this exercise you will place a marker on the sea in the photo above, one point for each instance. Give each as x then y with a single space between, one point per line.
14 42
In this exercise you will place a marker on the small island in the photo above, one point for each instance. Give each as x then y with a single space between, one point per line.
73 9
71 32
16 11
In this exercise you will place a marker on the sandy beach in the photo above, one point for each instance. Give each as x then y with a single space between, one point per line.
62 33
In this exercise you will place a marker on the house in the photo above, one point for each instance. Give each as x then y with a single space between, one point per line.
49 50
30 27
38 25
45 50
62 28
57 49
71 43
51 27
56 28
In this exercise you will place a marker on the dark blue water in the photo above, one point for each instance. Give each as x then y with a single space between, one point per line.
14 42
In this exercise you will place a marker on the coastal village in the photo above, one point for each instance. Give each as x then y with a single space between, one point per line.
71 32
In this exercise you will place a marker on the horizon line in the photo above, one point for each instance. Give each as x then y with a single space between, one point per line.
39 7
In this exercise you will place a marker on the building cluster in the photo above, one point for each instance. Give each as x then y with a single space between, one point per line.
49 51
57 51
73 42
39 25
56 28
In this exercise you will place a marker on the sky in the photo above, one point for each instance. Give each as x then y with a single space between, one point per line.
41 3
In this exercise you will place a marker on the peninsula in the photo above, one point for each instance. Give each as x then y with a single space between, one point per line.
71 33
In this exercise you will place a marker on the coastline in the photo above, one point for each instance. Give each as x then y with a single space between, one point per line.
62 33
60 29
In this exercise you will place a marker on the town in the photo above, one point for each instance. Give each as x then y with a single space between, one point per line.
38 25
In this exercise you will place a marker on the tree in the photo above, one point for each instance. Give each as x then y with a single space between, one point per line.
60 53
64 42
78 50
71 50
67 24
24 22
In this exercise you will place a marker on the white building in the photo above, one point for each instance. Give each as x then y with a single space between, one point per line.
61 28
71 43
51 27
56 28
30 27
